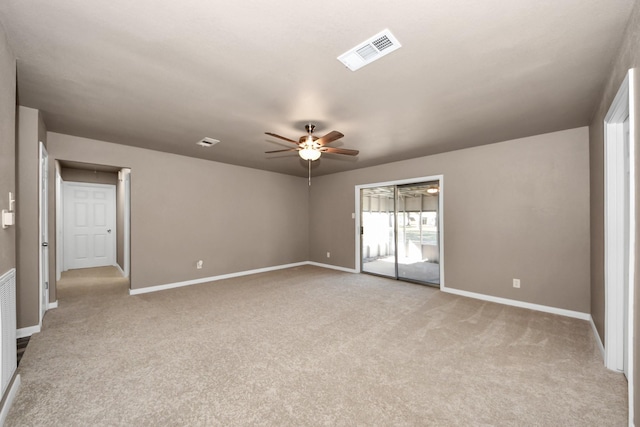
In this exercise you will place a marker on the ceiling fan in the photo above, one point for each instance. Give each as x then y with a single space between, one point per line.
310 147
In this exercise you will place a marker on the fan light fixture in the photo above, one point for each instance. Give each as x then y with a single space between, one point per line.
309 153
310 148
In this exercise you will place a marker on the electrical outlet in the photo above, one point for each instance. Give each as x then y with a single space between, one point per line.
516 283
199 264
328 254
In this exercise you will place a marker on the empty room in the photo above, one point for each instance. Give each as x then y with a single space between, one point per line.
319 213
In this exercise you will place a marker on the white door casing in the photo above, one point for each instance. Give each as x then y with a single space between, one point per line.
620 226
43 207
89 225
59 202
127 221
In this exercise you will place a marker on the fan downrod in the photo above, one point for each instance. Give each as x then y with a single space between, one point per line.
309 128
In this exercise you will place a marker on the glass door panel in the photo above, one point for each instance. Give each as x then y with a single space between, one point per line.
377 235
418 234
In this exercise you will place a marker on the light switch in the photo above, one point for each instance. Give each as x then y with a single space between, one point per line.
8 218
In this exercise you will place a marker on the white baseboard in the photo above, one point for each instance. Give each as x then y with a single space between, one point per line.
597 336
27 332
52 305
116 265
506 301
521 304
11 395
332 267
212 278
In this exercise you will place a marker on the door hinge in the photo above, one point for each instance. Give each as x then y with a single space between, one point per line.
361 231
46 285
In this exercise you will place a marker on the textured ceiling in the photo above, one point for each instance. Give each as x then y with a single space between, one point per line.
164 74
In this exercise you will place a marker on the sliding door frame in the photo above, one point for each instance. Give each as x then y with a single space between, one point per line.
357 216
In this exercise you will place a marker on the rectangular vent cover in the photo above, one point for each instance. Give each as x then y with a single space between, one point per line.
370 50
8 352
207 142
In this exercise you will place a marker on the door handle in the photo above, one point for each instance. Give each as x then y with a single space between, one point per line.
45 244
109 231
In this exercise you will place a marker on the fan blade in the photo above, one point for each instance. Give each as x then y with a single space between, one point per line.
334 150
330 137
281 137
280 151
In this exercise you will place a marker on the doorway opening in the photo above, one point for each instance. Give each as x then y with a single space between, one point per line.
400 230
93 205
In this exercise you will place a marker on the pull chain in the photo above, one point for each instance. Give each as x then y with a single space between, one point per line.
309 173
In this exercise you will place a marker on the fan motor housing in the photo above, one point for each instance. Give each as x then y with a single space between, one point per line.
305 138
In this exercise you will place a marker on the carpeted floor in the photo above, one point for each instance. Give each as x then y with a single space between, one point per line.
307 346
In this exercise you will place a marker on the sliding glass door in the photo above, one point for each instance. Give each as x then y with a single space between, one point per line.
400 233
378 231
418 248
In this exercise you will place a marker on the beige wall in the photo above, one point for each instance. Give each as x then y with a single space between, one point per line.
7 148
517 209
30 133
628 57
184 209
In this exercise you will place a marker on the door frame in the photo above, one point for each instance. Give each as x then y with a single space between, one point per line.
127 222
113 255
43 203
614 231
59 222
439 178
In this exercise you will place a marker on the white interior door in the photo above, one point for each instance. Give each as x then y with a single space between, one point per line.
89 225
44 230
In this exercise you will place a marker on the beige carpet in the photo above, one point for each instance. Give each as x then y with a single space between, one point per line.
306 347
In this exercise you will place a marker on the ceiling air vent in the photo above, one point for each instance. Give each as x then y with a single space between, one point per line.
207 142
368 51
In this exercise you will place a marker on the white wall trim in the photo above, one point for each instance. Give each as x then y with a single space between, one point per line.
127 221
505 301
332 267
632 246
597 336
11 395
53 304
212 278
59 224
116 265
28 331
43 231
521 304
615 225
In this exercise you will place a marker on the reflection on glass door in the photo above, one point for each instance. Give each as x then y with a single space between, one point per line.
378 236
400 231
418 249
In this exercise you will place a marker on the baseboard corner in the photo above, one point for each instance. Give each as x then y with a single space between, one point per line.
596 334
28 331
116 265
8 401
